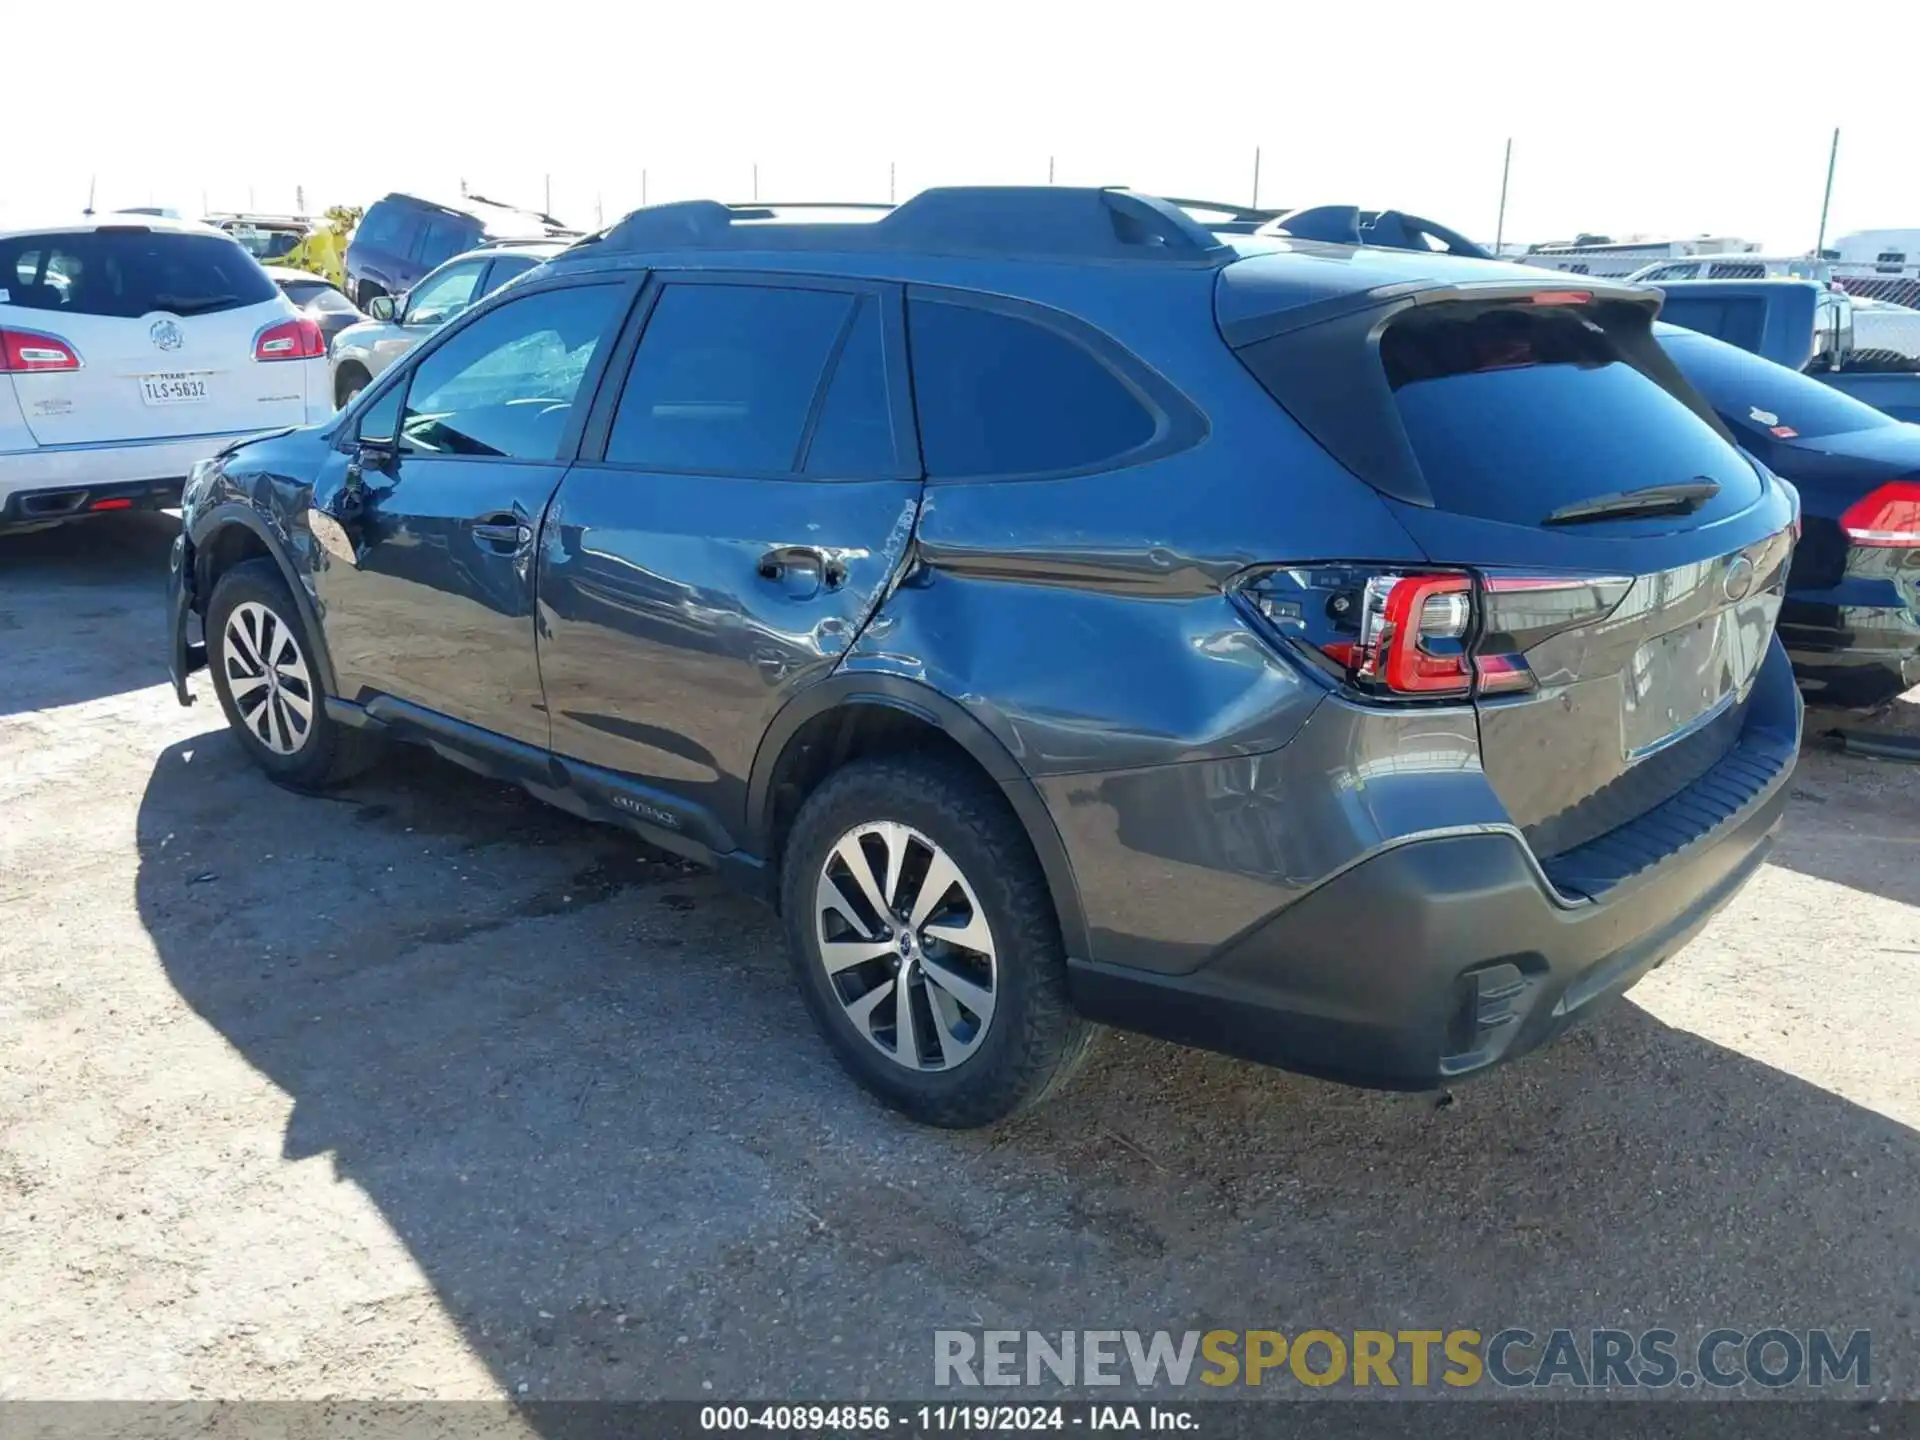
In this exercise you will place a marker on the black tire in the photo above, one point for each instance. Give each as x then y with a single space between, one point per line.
351 380
327 753
1034 1040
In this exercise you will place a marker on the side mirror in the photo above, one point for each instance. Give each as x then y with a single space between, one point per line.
381 307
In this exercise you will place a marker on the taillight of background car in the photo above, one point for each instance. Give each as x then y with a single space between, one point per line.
1890 516
1428 634
297 339
30 352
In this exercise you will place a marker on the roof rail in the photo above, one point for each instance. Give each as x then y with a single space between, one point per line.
1387 229
1003 220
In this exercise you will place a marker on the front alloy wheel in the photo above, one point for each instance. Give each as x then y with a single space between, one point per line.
906 946
267 676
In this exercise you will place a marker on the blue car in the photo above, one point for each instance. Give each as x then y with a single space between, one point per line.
1851 621
1355 659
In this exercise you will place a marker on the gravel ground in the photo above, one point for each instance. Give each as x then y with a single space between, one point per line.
429 1091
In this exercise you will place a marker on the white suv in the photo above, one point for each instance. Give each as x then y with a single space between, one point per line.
130 348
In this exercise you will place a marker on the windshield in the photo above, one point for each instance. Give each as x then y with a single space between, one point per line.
1759 396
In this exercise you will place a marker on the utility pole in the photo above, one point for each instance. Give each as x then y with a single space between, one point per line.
299 199
643 187
1500 224
599 217
1049 169
756 181
1833 156
548 207
92 182
249 197
1256 177
890 167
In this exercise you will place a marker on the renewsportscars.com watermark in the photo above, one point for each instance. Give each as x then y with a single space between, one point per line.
1512 1358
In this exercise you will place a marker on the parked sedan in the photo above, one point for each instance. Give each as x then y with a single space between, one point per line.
319 300
1851 620
363 350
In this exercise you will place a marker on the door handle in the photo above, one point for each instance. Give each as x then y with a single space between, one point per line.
502 530
786 560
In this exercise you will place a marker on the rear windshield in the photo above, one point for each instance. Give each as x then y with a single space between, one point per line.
1515 411
129 273
1757 395
319 295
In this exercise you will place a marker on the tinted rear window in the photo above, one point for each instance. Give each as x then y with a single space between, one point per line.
1515 411
1757 395
999 395
1738 322
130 273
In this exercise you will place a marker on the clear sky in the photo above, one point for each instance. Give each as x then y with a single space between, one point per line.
1674 119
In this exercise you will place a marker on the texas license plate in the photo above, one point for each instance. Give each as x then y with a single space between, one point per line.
173 389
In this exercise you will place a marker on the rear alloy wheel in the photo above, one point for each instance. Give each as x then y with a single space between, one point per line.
266 675
925 941
906 946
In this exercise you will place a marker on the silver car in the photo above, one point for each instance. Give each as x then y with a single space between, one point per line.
396 324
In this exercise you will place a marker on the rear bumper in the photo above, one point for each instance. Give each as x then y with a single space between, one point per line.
1850 653
34 509
1437 955
105 468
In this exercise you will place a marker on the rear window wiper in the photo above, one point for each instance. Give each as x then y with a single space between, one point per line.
1681 498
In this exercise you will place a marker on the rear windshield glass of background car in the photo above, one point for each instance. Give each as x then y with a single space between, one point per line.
1001 395
128 273
318 294
1738 385
1514 411
725 378
1737 321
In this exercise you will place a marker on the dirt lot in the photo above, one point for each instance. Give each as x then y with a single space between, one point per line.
429 1091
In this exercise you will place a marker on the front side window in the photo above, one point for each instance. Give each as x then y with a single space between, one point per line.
725 378
1002 395
444 294
505 385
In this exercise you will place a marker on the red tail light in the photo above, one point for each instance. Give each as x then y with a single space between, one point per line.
1426 635
1890 516
1561 297
114 504
297 339
29 352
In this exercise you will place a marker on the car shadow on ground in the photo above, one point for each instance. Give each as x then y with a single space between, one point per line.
578 1083
82 610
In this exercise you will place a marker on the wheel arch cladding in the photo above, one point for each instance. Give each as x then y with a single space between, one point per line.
234 533
849 716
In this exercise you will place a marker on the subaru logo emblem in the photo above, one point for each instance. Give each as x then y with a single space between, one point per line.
166 335
1738 580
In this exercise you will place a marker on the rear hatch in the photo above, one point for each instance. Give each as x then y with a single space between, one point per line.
1625 562
159 330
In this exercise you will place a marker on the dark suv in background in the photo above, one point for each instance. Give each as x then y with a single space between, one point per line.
1352 659
402 237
